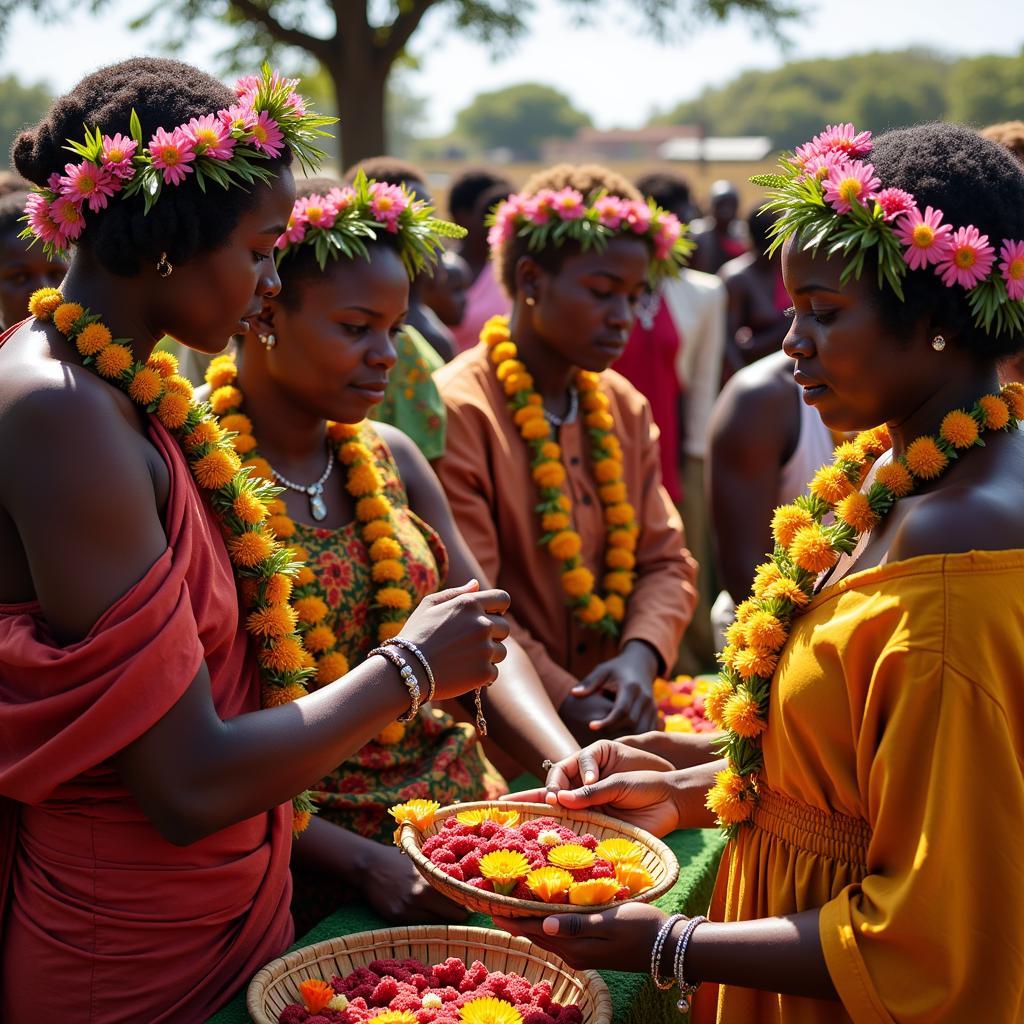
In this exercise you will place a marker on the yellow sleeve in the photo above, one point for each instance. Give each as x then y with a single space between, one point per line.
935 931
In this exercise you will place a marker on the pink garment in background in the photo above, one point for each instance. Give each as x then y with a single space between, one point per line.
484 298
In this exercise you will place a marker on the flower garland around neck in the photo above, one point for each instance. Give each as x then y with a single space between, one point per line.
392 598
606 611
804 549
240 498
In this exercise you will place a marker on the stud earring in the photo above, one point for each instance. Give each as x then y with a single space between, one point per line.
164 267
268 341
530 300
938 343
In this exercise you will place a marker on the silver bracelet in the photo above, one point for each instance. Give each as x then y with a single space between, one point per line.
658 948
686 988
408 677
400 641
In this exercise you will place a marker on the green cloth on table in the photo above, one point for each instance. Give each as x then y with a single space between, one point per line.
635 1000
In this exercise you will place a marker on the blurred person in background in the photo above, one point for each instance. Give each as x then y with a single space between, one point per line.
445 290
719 236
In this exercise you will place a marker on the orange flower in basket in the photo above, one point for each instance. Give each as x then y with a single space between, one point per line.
571 856
316 994
506 818
549 884
504 868
594 892
634 877
620 851
416 812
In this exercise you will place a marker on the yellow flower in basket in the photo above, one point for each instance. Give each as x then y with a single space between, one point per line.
488 1010
571 856
634 877
620 851
549 884
504 868
594 892
416 812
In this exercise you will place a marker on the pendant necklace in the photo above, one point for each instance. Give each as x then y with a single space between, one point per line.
315 491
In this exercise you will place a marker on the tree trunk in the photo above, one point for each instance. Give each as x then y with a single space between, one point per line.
360 85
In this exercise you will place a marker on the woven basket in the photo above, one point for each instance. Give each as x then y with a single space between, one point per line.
658 859
277 984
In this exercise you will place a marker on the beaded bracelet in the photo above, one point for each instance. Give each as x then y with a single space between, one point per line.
658 947
686 989
408 677
400 641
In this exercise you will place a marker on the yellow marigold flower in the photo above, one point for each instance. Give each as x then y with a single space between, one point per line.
342 431
848 451
113 360
715 700
319 639
599 420
487 1010
622 539
752 662
165 363
764 631
416 812
285 654
276 507
249 509
330 667
282 527
565 545
300 822
635 877
620 851
237 423
549 474
527 414
91 338
959 429
615 607
243 443
504 868
391 734
145 386
388 570
550 451
43 302
494 331
173 409
503 351
552 522
517 382
364 479
765 575
578 582
374 506
376 529
612 447
997 414
299 553
855 510
222 370
874 441
216 469
830 484
563 502
354 451
613 494
593 893
387 630
812 550
607 471
508 368
224 398
179 386
310 609
588 381
274 620
745 609
736 634
571 856
619 582
786 590
304 576
925 459
65 315
730 799
619 558
250 548
258 467
1013 395
384 548
276 696
894 475
595 401
786 521
394 597
742 717
535 429
619 515
549 885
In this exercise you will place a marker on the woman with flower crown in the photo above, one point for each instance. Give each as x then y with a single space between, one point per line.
146 801
871 692
552 463
376 536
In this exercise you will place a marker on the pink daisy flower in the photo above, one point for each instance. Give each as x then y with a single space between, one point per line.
266 136
44 227
210 136
295 232
117 155
504 227
568 204
238 118
823 165
1012 267
967 260
849 183
341 198
893 202
53 182
68 217
537 209
316 210
668 231
926 237
842 137
247 85
295 103
88 183
388 203
637 215
609 211
172 152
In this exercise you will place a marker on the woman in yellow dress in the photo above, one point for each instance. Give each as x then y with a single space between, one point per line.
872 692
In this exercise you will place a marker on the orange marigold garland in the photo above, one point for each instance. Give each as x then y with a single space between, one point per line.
258 559
805 546
602 609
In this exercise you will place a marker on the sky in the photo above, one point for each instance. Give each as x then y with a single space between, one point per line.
613 71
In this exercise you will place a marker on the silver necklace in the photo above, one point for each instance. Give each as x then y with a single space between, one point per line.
317 505
574 408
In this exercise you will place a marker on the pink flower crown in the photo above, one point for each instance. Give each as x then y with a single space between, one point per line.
828 196
341 222
549 218
224 148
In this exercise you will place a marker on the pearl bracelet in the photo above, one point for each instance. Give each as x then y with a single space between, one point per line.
686 989
408 677
400 641
658 948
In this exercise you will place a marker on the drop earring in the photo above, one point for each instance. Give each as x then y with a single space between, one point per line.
530 300
268 341
938 343
164 267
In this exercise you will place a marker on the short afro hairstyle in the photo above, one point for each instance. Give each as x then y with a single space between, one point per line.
1009 135
466 189
972 180
668 190
587 179
186 222
12 209
388 169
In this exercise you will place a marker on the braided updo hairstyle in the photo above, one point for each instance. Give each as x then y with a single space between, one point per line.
185 222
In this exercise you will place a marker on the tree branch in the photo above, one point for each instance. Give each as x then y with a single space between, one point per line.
402 29
320 48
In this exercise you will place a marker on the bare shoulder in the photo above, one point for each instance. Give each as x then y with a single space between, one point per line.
760 398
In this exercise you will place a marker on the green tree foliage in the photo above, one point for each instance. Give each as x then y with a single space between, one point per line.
873 90
520 118
20 106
